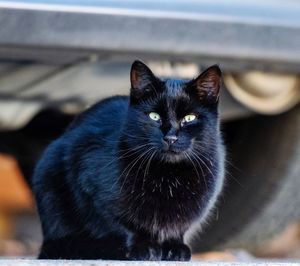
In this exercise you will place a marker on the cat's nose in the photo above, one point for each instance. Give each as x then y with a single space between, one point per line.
170 139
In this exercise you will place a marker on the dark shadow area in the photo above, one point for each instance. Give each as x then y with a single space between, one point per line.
27 144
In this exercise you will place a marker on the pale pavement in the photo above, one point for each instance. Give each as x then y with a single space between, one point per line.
32 262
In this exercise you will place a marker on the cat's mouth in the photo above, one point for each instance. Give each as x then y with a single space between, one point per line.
171 156
170 150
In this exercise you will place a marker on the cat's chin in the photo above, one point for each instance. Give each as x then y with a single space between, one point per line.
171 156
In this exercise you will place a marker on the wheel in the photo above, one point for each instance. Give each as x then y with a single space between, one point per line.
261 196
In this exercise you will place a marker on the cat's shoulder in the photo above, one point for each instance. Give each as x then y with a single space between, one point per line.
102 110
111 102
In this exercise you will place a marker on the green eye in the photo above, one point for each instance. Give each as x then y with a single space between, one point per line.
189 118
154 116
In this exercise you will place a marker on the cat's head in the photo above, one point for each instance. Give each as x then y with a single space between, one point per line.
172 119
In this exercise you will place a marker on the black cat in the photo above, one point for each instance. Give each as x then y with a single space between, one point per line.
132 174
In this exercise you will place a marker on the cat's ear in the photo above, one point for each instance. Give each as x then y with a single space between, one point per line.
208 83
142 79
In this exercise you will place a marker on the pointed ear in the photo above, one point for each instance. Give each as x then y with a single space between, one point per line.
208 83
141 78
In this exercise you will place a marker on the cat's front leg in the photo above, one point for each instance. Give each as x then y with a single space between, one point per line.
142 247
175 250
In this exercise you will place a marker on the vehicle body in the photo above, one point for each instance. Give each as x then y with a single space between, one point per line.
67 55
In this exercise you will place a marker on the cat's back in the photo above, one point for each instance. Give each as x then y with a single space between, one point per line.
95 130
106 114
77 164
93 136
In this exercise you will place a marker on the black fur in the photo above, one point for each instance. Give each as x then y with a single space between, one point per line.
119 185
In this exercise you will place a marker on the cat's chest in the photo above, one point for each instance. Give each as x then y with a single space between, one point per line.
165 204
170 186
172 181
163 196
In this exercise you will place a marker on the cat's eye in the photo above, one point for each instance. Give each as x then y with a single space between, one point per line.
189 118
154 116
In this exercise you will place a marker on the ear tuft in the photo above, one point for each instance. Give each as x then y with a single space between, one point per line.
141 77
209 82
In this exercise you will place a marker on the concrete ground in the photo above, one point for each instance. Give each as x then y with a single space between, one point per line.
33 262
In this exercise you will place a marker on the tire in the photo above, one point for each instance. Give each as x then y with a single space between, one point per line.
261 196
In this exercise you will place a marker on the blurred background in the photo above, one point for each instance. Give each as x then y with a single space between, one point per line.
59 57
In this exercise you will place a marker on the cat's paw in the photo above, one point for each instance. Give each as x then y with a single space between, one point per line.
176 251
145 251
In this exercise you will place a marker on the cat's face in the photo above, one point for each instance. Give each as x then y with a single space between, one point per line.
172 119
